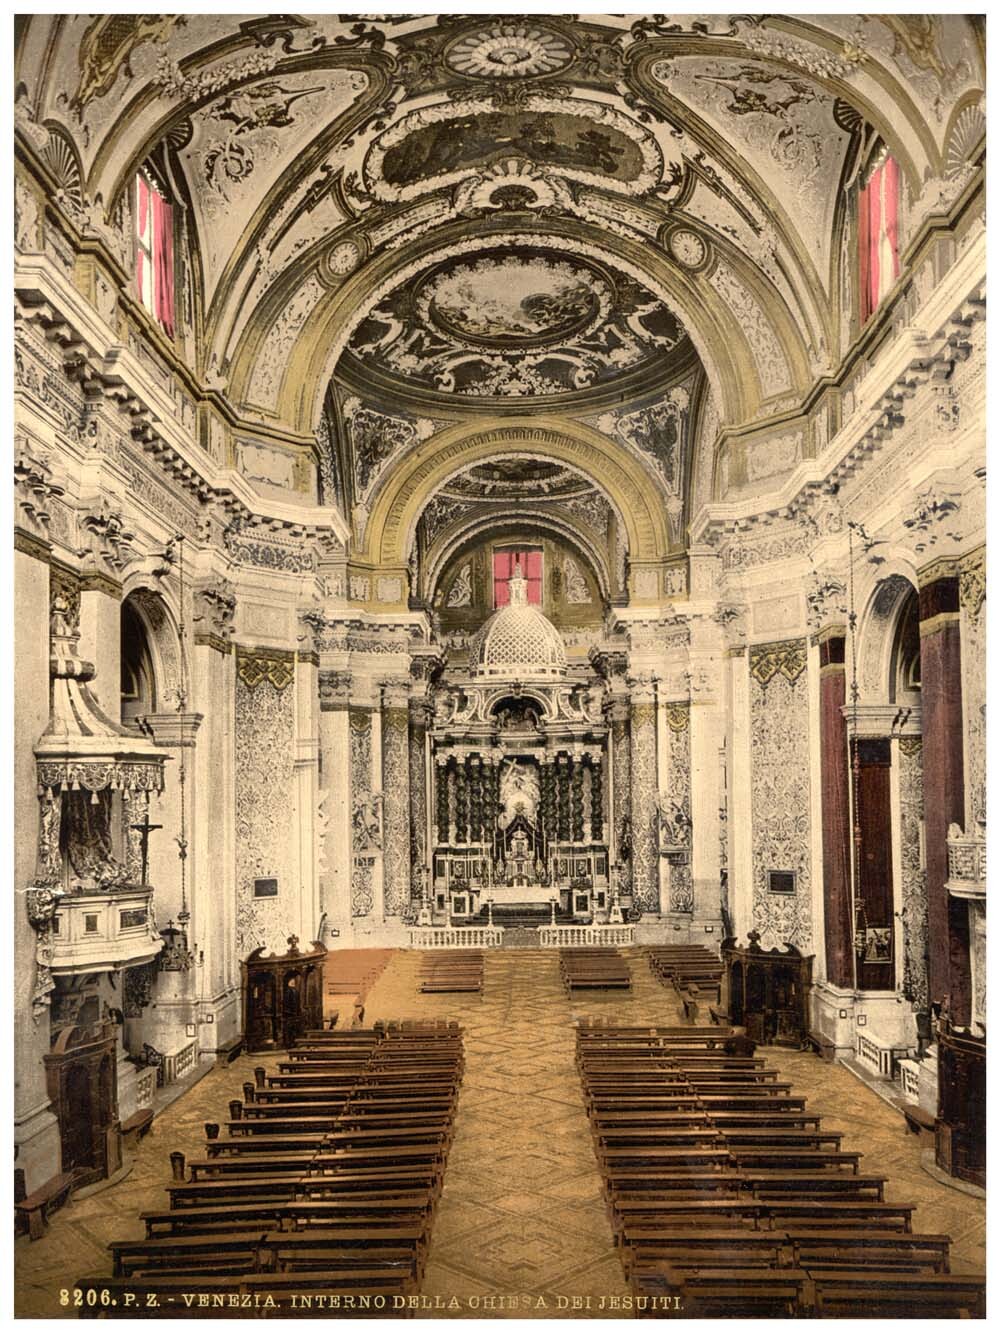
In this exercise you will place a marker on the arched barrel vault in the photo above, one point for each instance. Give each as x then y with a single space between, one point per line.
420 473
311 358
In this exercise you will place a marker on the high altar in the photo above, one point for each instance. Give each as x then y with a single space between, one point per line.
520 779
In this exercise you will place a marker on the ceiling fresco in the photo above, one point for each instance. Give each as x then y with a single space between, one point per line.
515 322
397 223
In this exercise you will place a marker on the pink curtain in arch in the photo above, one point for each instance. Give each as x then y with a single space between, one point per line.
891 195
163 258
878 221
874 237
530 560
142 276
864 252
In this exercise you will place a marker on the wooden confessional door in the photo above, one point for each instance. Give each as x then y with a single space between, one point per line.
80 1071
876 963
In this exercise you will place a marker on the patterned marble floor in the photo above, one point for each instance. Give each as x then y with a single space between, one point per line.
521 1228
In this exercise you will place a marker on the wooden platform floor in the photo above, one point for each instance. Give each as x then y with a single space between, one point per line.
521 1220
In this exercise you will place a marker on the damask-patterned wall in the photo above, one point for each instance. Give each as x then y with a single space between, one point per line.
265 781
366 827
678 793
779 791
914 884
972 587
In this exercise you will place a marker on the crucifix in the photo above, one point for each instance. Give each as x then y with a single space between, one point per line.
144 830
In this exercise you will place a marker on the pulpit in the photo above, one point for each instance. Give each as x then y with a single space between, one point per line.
282 996
767 991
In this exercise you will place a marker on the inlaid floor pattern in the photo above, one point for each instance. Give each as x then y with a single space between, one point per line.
521 1214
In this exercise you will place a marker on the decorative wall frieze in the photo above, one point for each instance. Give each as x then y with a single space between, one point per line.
274 665
920 364
48 303
787 659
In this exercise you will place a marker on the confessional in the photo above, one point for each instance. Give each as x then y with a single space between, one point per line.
282 996
767 991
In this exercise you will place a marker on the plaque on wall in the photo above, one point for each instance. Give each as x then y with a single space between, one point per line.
265 888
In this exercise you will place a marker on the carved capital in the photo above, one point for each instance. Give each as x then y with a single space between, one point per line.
334 690
215 609
110 542
34 487
972 583
826 601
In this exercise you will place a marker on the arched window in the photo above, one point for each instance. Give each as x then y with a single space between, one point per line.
904 678
138 683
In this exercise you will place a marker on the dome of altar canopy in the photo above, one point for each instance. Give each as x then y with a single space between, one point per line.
518 642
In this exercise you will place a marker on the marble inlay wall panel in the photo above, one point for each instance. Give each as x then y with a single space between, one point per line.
914 885
678 794
366 824
264 760
779 791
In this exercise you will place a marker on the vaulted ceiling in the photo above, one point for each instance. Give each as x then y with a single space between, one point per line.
444 218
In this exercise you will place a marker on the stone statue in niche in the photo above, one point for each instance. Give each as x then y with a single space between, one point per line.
519 792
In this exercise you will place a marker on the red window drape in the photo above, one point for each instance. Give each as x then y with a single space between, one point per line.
163 250
154 259
874 237
530 560
143 277
878 236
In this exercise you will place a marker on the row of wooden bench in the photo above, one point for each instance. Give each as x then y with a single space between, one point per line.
452 972
693 971
324 1178
726 1194
595 968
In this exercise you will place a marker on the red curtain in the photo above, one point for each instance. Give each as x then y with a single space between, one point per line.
878 219
530 560
142 276
874 237
891 170
864 308
163 252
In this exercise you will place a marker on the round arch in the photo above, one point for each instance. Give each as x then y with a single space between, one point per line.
432 463
715 332
450 545
887 595
159 620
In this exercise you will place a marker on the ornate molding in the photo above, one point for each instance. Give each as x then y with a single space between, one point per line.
41 902
110 540
770 659
972 583
214 612
275 665
34 488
